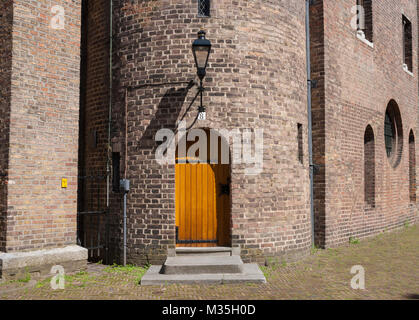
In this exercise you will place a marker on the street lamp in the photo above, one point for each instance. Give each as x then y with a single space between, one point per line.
201 49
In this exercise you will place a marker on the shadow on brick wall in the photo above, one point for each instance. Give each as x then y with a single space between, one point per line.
166 117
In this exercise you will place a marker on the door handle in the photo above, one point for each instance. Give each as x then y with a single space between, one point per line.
225 188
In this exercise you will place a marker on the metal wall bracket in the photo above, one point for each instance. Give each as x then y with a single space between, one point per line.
313 83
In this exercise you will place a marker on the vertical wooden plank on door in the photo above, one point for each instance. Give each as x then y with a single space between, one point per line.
199 196
186 226
193 189
210 194
182 211
214 199
177 194
205 203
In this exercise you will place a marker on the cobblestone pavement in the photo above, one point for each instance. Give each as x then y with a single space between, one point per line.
391 263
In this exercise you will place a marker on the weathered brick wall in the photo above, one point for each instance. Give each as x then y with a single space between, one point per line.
43 127
97 86
417 68
317 55
256 79
94 131
6 21
359 82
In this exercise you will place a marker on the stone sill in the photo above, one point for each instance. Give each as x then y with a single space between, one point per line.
361 37
407 70
39 262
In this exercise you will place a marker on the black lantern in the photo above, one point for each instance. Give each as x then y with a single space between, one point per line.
201 48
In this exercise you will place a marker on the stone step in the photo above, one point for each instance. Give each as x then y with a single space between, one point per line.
203 264
197 251
250 274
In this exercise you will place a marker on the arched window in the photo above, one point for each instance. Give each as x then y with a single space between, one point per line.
369 167
389 134
412 167
393 133
407 44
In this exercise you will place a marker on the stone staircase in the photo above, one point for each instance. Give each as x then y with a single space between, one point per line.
215 265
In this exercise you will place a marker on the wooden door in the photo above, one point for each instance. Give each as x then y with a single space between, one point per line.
202 203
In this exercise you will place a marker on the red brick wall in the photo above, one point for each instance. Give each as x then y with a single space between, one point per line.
43 127
256 79
317 55
94 130
359 81
6 20
97 85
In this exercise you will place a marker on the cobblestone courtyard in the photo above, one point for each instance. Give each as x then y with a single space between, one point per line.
391 263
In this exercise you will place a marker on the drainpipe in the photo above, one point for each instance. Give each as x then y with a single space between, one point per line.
310 124
125 187
108 151
125 183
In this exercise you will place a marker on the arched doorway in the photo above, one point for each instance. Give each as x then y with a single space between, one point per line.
202 186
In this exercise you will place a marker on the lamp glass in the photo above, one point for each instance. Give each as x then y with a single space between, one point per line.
201 54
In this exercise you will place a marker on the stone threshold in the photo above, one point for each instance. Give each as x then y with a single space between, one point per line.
225 251
250 274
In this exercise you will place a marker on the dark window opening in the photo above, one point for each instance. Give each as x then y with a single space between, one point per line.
407 44
412 167
116 159
365 19
393 133
93 139
204 8
300 143
389 134
369 167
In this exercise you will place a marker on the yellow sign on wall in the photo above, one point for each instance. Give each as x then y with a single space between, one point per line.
63 183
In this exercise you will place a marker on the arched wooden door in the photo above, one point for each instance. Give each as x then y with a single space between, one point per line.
202 202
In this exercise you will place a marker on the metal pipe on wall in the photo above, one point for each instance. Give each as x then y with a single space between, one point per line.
125 228
310 123
109 148
125 181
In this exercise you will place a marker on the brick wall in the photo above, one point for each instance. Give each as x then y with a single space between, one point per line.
94 126
6 20
317 55
43 127
256 79
356 84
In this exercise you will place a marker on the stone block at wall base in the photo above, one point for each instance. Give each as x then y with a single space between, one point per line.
254 255
38 264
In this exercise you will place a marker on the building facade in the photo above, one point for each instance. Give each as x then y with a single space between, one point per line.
363 185
39 103
88 88
247 87
364 110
